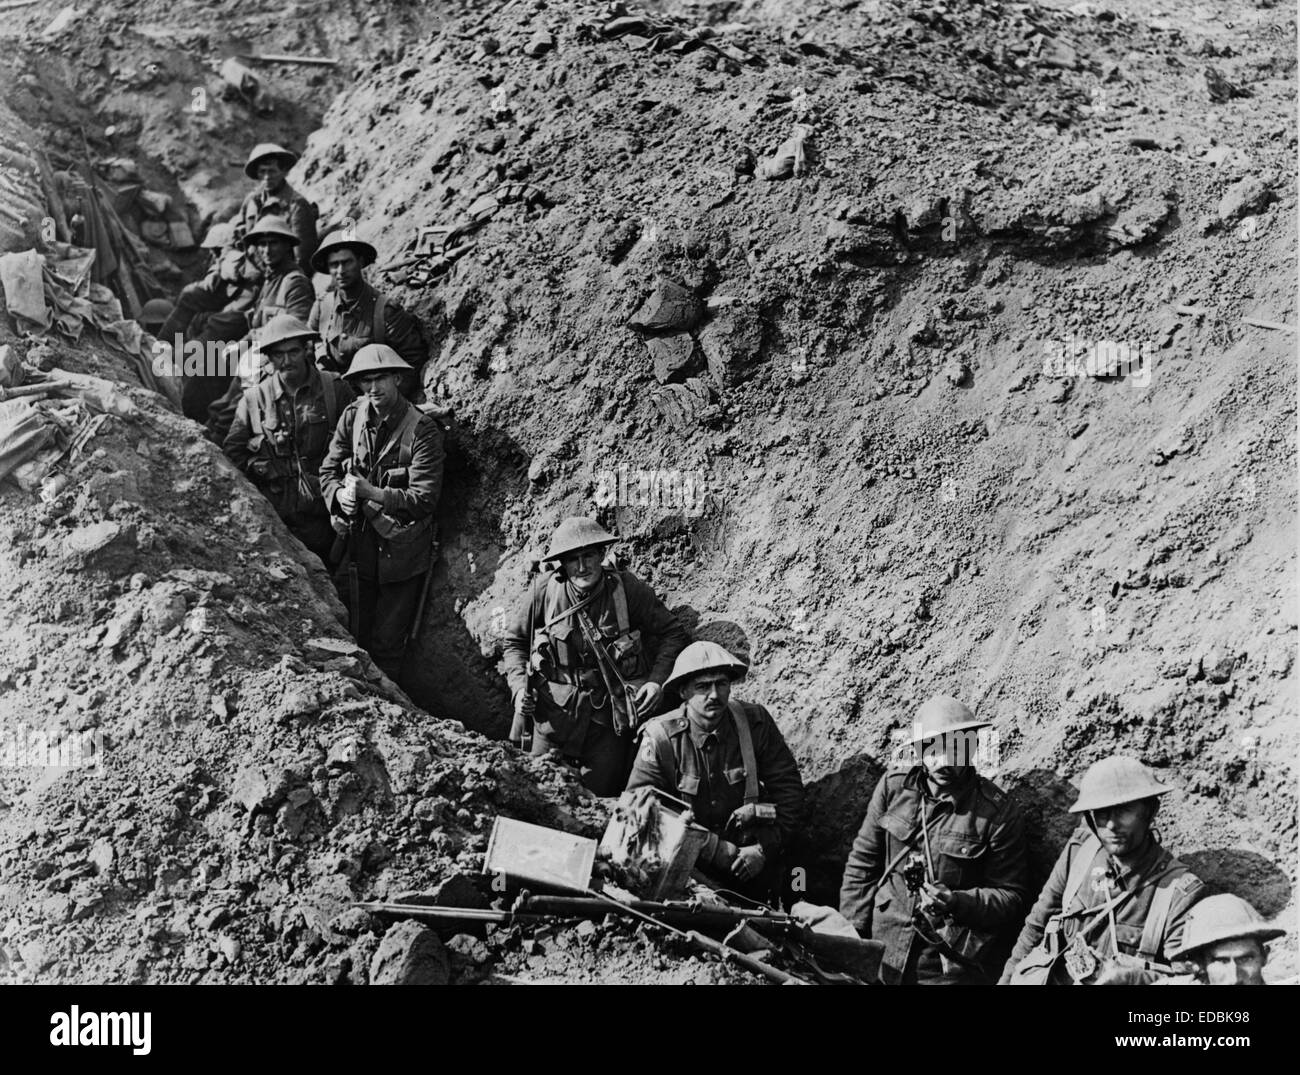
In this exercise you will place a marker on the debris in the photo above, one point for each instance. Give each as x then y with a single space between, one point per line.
1219 88
671 355
669 308
791 159
316 61
1250 195
540 44
1259 322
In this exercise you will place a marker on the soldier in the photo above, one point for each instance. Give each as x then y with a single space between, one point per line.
575 695
154 314
729 761
1116 900
282 290
1227 940
282 428
380 480
352 313
268 164
215 307
939 869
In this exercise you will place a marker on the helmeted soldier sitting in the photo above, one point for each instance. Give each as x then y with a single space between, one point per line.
1226 940
587 656
1116 902
283 427
729 761
939 870
267 165
381 479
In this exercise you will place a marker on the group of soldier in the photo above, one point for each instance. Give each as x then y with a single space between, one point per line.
603 674
320 416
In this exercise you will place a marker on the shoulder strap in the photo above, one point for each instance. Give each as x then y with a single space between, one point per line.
380 332
1079 869
746 737
253 401
328 387
406 434
1153 930
359 421
620 604
329 305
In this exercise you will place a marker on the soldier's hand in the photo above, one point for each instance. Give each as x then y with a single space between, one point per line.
749 862
260 468
936 898
647 697
347 498
368 490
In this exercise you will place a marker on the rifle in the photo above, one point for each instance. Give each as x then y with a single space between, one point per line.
688 917
610 673
605 905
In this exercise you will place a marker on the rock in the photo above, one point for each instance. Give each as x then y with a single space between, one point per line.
1248 196
229 947
106 546
457 891
1219 88
295 814
327 648
540 44
669 308
469 948
730 342
121 628
213 918
298 702
956 373
164 609
33 955
671 355
1217 666
101 855
410 954
539 469
256 788
586 928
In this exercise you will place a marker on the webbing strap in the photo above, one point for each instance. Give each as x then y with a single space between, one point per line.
378 332
331 400
1153 930
746 737
253 402
1079 870
404 434
620 605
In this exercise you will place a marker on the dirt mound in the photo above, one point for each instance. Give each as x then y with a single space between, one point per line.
917 470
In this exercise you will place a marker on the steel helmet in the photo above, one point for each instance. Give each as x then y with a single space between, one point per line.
268 149
943 715
155 312
1115 780
342 240
219 237
577 532
377 356
283 327
1222 918
701 657
271 226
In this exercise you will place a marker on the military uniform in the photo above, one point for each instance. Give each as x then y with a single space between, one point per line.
393 547
346 325
297 211
283 458
285 292
977 843
708 770
1047 932
574 710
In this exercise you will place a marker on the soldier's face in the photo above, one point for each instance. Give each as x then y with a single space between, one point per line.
582 568
344 269
1123 829
1234 962
270 173
289 361
381 388
706 696
948 757
273 253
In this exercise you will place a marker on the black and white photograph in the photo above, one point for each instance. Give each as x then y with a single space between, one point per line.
674 492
